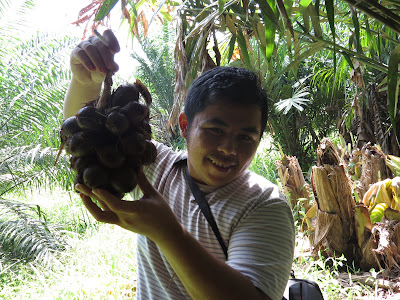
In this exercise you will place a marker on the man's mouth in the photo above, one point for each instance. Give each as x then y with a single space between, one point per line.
222 163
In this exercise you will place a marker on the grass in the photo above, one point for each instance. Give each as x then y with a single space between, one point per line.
336 278
99 262
264 160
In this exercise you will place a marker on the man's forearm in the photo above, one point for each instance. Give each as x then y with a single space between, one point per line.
204 275
77 95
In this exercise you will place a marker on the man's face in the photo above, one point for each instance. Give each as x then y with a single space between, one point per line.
222 141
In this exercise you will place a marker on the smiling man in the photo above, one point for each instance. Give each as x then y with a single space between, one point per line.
222 140
179 256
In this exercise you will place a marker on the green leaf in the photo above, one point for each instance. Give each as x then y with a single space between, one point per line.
330 11
167 16
303 5
356 25
315 20
269 50
269 39
231 46
393 84
272 4
243 48
221 4
134 9
297 101
376 214
348 59
310 50
268 12
259 33
105 9
306 20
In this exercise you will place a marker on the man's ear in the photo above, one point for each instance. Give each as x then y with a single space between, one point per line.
183 123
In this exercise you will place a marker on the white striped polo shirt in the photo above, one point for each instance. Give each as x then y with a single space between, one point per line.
253 218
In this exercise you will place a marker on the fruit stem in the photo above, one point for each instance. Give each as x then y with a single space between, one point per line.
106 91
105 42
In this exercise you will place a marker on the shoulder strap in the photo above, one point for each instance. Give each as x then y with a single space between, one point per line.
205 208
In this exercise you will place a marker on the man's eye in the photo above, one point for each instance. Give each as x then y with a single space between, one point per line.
246 138
215 130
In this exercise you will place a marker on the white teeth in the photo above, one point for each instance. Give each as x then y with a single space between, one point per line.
222 165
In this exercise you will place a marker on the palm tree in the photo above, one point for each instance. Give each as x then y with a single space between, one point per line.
156 70
34 81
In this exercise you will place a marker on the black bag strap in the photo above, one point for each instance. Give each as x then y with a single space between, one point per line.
205 208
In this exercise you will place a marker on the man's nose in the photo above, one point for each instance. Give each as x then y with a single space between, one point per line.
227 146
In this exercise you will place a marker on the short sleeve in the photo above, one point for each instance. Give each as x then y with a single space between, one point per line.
261 247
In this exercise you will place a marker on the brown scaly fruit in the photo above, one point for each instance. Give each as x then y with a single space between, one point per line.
109 138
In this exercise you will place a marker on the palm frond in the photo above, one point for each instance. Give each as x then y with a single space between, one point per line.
156 70
13 14
297 101
33 166
25 234
34 80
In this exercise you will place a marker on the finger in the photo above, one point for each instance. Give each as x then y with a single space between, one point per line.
114 203
85 190
107 49
79 57
112 40
95 50
97 213
87 54
103 205
88 192
145 185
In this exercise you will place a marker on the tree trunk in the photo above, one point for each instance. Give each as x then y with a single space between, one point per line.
373 168
297 191
333 192
382 249
344 227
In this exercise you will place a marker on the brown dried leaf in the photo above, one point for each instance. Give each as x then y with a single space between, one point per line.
363 224
180 75
81 20
126 15
144 22
87 8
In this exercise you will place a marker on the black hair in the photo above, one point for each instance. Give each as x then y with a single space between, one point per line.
233 84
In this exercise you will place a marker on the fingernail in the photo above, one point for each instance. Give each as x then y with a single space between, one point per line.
91 67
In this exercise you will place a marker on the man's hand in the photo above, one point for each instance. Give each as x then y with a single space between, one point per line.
91 59
150 216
